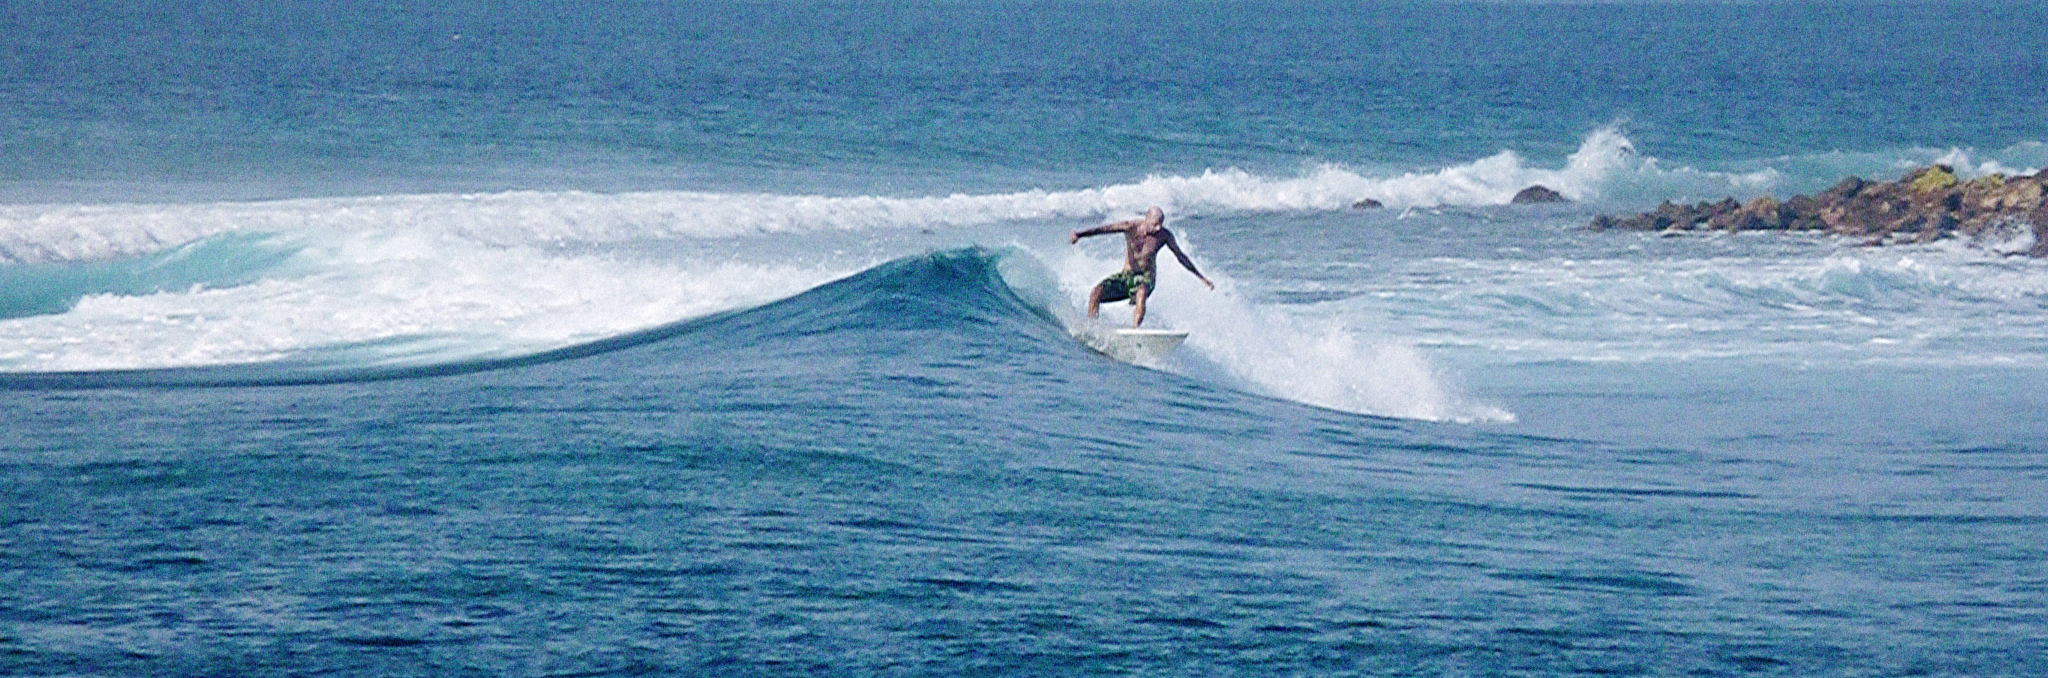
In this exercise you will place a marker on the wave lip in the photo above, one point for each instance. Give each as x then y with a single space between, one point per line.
958 292
219 261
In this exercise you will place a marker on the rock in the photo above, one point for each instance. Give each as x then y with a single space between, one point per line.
1537 194
1845 190
1928 204
1366 204
1763 214
1805 211
1930 179
2021 193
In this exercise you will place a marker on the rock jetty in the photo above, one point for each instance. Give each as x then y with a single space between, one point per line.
1930 203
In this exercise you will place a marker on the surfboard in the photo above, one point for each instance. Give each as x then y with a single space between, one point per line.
1156 342
1136 345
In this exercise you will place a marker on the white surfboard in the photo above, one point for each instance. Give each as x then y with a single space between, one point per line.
1139 345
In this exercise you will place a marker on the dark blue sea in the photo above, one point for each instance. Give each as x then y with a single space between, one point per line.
744 338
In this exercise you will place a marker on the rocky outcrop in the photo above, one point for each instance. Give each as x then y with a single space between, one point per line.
1928 204
1367 204
1537 194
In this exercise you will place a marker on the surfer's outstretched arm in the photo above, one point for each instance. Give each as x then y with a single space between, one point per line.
1174 245
1104 229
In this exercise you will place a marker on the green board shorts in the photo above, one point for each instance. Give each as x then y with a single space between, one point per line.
1123 285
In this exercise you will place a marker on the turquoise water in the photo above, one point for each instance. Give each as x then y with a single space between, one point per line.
738 339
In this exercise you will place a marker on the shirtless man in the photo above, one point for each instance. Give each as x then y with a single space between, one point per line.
1142 240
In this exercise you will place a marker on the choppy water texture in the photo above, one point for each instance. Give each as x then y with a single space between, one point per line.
738 339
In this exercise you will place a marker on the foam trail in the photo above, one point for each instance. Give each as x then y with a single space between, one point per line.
1309 360
1320 362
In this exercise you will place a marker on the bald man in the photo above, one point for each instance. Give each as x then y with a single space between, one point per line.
1142 239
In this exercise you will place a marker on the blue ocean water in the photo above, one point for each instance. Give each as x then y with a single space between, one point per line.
740 338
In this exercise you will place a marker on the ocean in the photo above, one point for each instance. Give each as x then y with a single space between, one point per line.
739 338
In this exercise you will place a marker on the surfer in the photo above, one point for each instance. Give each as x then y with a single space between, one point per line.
1142 240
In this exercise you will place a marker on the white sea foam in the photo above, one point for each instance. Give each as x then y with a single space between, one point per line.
1606 163
1314 360
404 298
1321 362
1944 304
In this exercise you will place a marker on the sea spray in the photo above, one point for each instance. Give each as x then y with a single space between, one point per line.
1315 360
1263 350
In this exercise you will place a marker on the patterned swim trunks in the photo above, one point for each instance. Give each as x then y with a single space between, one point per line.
1123 285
